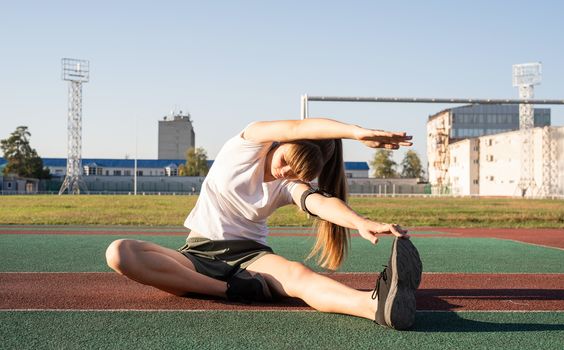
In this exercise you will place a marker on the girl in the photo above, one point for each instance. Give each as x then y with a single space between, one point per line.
268 165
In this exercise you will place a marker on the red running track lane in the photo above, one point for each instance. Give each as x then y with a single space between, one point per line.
440 292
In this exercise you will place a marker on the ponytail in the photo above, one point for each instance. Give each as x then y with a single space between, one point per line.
331 245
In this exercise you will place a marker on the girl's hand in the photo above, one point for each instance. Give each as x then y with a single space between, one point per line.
368 230
382 139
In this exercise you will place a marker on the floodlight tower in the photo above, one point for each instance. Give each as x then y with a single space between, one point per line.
75 72
525 76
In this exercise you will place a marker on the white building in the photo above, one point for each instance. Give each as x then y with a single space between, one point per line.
500 163
453 125
491 165
464 169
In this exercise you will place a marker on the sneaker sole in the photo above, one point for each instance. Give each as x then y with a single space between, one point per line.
399 311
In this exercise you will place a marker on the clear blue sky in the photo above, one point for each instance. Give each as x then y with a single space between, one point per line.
231 62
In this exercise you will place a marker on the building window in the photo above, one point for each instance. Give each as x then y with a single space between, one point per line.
490 157
127 172
171 171
117 172
92 170
476 182
139 172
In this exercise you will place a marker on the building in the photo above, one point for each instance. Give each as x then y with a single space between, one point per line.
117 167
11 184
356 169
464 167
484 158
500 163
460 123
176 136
154 175
18 185
479 120
154 167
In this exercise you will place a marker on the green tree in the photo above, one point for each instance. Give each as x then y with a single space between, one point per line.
22 160
196 163
411 165
383 164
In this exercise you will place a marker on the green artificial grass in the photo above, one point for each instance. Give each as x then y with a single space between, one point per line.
172 211
85 253
276 330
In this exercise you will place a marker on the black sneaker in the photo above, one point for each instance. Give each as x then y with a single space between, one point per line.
396 285
245 287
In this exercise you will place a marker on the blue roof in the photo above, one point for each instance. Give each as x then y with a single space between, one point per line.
149 163
356 166
116 163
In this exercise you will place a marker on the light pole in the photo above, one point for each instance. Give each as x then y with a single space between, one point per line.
525 77
75 72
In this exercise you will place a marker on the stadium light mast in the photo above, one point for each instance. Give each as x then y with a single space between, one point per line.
76 72
525 77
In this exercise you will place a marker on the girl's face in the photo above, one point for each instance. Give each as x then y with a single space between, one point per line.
279 167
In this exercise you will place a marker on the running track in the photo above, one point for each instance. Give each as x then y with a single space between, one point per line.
438 291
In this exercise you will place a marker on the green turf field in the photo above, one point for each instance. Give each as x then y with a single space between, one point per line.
276 330
172 210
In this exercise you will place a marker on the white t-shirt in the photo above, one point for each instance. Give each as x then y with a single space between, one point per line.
234 202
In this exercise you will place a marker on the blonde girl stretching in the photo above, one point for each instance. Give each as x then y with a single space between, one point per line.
268 165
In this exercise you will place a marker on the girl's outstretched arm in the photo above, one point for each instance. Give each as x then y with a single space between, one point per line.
320 129
338 212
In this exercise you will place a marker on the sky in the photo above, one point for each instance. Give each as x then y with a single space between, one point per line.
229 63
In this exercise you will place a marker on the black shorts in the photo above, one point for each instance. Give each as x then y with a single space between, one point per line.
222 259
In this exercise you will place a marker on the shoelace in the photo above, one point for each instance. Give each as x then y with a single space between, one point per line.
382 275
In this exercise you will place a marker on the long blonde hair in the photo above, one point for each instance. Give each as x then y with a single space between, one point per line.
308 158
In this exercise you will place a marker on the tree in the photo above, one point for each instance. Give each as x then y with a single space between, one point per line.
383 164
411 165
22 159
196 163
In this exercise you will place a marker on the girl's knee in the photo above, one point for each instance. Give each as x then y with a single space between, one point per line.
120 253
299 273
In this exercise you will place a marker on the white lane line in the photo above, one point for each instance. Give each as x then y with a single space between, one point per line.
322 273
260 310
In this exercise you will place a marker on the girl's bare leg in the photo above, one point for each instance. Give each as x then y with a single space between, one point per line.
289 278
160 267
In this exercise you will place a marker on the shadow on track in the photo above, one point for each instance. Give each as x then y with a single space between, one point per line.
450 321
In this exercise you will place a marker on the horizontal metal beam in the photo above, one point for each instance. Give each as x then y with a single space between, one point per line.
435 100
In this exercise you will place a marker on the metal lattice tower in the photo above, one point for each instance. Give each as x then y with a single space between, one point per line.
525 76
549 185
75 72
